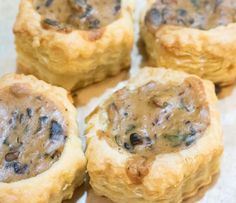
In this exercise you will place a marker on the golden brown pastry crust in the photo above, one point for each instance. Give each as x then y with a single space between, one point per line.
206 53
172 177
60 180
74 59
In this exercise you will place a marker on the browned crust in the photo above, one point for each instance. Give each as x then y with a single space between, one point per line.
137 168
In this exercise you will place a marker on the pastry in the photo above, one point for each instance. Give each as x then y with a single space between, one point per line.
158 139
41 156
73 43
194 36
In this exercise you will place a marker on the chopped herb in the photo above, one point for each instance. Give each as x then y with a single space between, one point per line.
10 121
29 112
168 117
148 141
88 12
181 93
191 21
126 114
190 139
39 98
155 136
156 121
15 114
154 17
9 165
26 128
51 22
48 3
181 21
93 24
165 104
182 12
56 130
187 122
176 140
21 118
80 3
43 119
195 2
19 168
56 154
18 140
183 106
6 142
117 6
165 13
127 146
54 24
118 141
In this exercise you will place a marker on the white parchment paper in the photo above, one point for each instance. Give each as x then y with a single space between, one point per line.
224 191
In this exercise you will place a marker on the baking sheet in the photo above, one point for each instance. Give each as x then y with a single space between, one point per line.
223 190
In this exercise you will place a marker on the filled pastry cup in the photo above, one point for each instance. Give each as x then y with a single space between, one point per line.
158 139
73 43
40 150
194 36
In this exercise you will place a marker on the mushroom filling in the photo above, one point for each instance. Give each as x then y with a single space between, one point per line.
157 118
32 133
65 15
200 14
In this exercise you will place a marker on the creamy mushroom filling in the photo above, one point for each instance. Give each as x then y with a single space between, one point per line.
65 15
32 133
200 14
157 118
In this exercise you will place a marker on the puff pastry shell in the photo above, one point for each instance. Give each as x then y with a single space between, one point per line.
59 181
173 177
206 53
77 58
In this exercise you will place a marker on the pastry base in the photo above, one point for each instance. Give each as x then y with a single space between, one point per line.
71 83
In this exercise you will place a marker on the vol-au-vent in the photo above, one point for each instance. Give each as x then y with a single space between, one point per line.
38 134
34 134
191 36
74 43
160 135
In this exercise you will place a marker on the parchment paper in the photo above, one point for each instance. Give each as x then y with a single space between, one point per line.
223 191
